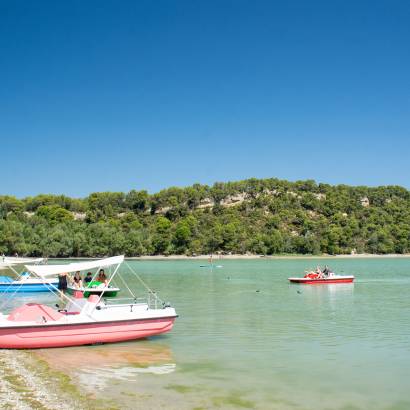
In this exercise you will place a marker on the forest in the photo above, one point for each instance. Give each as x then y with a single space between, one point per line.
257 216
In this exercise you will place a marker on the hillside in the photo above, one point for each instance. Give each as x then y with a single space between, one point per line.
268 216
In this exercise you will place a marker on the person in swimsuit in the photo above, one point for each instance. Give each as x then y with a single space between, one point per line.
102 277
319 272
77 280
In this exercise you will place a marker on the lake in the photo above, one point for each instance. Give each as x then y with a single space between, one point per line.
247 339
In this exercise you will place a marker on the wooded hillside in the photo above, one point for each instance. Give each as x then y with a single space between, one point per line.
268 216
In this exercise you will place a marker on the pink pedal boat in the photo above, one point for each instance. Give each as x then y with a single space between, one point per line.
83 321
313 278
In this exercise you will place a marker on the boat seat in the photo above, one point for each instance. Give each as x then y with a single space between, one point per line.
32 311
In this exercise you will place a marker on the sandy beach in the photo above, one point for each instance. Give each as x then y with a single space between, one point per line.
27 382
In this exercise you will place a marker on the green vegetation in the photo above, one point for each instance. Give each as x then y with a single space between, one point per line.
267 216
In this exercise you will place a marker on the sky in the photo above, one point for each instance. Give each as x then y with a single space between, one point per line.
120 95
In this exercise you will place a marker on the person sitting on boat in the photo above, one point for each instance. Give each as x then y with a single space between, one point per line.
102 277
88 278
319 272
326 271
77 280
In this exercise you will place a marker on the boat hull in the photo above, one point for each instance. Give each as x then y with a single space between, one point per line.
91 291
309 281
64 335
105 293
26 287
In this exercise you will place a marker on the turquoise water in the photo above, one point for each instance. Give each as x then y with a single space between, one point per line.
246 338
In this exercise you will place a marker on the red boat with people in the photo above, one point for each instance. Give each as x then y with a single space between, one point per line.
320 276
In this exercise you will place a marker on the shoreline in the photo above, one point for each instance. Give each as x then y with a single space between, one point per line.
262 257
243 257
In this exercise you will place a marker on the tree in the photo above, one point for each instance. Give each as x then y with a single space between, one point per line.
162 237
137 201
54 213
182 236
275 216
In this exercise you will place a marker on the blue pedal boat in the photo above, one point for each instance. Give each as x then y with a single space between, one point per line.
26 284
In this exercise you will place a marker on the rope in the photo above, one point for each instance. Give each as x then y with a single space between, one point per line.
12 284
129 290
10 295
144 284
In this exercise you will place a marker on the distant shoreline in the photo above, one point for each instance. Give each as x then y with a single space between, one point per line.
239 257
251 257
243 257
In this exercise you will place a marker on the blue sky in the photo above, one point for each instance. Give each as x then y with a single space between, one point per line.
112 96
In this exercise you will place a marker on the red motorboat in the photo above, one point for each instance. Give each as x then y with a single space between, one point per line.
317 278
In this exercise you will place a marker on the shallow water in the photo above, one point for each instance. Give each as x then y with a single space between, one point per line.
246 338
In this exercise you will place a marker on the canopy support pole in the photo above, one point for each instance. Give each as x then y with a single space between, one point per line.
151 292
109 281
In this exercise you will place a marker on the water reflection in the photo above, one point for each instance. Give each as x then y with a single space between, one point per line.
327 295
331 289
102 378
97 365
138 353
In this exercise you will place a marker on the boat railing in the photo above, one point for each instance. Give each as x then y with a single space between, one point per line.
133 301
149 300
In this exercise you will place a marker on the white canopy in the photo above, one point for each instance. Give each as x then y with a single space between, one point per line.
52 270
7 261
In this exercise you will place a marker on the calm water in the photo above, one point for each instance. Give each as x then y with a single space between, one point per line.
246 338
